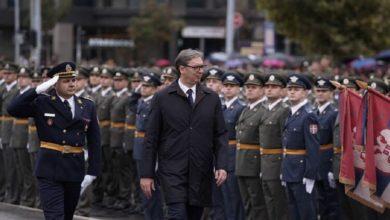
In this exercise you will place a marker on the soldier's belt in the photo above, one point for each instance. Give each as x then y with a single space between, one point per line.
337 150
266 151
32 128
247 146
130 127
20 121
294 152
104 123
325 147
139 134
232 142
65 149
118 124
7 118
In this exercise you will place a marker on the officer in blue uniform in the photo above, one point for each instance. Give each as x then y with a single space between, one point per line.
327 114
300 150
65 123
232 108
150 82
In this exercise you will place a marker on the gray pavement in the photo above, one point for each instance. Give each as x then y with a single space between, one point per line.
15 212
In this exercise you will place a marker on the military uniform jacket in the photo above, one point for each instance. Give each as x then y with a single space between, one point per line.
7 122
143 111
33 139
301 133
103 104
247 132
336 145
118 112
130 121
231 116
19 138
270 135
55 126
2 90
326 120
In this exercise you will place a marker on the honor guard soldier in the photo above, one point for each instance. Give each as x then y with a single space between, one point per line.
301 150
232 108
33 139
327 114
11 90
152 206
82 83
94 82
379 85
271 151
22 190
65 123
248 149
103 102
2 169
169 75
119 190
213 79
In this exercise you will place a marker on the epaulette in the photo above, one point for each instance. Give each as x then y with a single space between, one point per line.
241 102
309 108
87 98
285 105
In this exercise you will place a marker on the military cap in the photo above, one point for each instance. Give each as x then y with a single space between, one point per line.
170 71
63 70
36 76
10 67
94 71
24 71
299 80
150 79
324 83
119 73
83 72
136 77
275 79
232 79
379 85
349 82
43 71
254 79
107 72
213 73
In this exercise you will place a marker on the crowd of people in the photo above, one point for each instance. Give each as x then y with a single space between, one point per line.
283 154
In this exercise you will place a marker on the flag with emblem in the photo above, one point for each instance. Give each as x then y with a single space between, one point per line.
353 117
377 155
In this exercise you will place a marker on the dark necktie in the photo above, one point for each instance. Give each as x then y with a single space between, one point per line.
190 99
67 107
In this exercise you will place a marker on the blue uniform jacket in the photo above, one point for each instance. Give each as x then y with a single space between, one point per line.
143 110
301 133
326 120
54 126
231 116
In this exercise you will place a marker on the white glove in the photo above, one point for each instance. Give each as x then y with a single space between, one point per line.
88 179
283 182
332 182
309 183
46 85
85 155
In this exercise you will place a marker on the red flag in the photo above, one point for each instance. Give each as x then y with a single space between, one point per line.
349 104
377 156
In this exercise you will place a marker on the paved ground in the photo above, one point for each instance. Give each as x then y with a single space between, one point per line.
14 212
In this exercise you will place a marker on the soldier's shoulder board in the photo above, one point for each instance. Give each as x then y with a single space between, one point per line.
89 98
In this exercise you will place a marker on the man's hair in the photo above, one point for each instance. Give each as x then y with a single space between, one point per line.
185 56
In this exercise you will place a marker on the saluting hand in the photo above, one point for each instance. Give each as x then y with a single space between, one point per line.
43 87
220 176
147 185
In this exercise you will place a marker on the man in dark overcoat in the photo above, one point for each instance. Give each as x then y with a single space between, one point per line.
185 133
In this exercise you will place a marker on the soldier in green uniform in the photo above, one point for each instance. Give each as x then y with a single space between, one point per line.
94 82
169 75
248 149
24 188
270 134
82 83
119 187
10 91
103 102
33 139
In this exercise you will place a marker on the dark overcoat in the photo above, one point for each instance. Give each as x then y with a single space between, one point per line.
185 140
